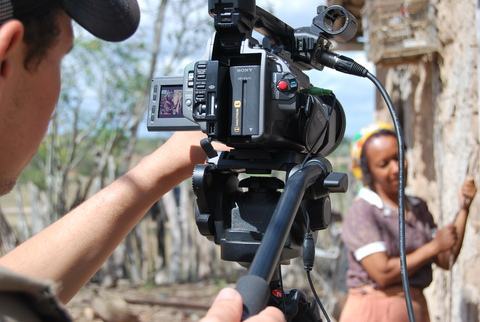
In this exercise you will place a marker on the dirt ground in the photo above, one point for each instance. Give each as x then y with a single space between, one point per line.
174 303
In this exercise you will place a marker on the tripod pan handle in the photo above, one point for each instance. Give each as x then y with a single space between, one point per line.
255 293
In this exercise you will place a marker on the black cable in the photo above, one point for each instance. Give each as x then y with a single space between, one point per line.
317 299
401 194
280 278
306 217
308 260
349 66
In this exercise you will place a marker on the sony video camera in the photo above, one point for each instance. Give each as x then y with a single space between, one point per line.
255 96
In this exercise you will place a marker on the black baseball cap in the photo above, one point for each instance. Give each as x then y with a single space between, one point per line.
111 20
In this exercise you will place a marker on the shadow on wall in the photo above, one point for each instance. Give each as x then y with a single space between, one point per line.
469 311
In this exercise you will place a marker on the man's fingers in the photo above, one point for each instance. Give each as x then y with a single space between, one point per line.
227 307
270 314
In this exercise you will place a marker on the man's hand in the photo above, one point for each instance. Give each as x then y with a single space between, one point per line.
467 193
190 142
446 238
187 146
227 307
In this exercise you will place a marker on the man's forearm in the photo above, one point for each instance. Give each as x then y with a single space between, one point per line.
72 249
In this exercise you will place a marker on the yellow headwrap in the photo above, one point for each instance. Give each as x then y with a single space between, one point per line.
359 140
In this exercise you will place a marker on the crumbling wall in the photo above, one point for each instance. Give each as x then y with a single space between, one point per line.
438 101
456 139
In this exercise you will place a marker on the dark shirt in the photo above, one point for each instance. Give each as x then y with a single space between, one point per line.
27 300
370 227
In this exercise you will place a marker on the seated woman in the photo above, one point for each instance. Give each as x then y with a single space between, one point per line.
370 232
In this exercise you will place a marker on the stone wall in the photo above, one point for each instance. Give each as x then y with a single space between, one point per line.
438 101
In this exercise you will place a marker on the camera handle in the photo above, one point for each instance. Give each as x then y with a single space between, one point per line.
254 287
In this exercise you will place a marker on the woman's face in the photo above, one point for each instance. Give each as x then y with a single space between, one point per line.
382 160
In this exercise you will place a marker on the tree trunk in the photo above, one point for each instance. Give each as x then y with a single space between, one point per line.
8 240
174 237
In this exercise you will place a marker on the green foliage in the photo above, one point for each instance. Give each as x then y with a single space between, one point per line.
147 145
34 171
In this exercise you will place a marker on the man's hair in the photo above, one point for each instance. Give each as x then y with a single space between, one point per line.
41 33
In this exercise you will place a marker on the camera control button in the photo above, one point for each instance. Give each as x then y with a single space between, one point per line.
283 85
293 84
188 102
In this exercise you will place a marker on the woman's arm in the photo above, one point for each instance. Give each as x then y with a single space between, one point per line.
385 270
466 195
72 249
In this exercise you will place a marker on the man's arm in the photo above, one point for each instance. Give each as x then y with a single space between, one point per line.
73 248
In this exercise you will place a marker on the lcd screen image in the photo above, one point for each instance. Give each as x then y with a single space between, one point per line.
170 102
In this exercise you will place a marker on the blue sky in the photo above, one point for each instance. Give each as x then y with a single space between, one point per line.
357 95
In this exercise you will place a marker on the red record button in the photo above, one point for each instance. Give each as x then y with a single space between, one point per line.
283 86
278 293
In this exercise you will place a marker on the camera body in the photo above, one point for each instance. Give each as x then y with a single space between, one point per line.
250 95
254 99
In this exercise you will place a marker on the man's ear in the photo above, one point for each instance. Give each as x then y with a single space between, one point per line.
11 39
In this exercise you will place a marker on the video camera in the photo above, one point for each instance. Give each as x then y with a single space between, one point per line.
257 99
250 95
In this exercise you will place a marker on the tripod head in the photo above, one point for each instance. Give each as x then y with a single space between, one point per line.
235 213
253 222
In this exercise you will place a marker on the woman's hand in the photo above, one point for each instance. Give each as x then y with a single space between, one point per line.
445 238
467 193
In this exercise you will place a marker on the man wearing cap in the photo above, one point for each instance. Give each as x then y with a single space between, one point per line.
35 35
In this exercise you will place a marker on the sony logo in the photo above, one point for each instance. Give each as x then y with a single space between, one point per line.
245 70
